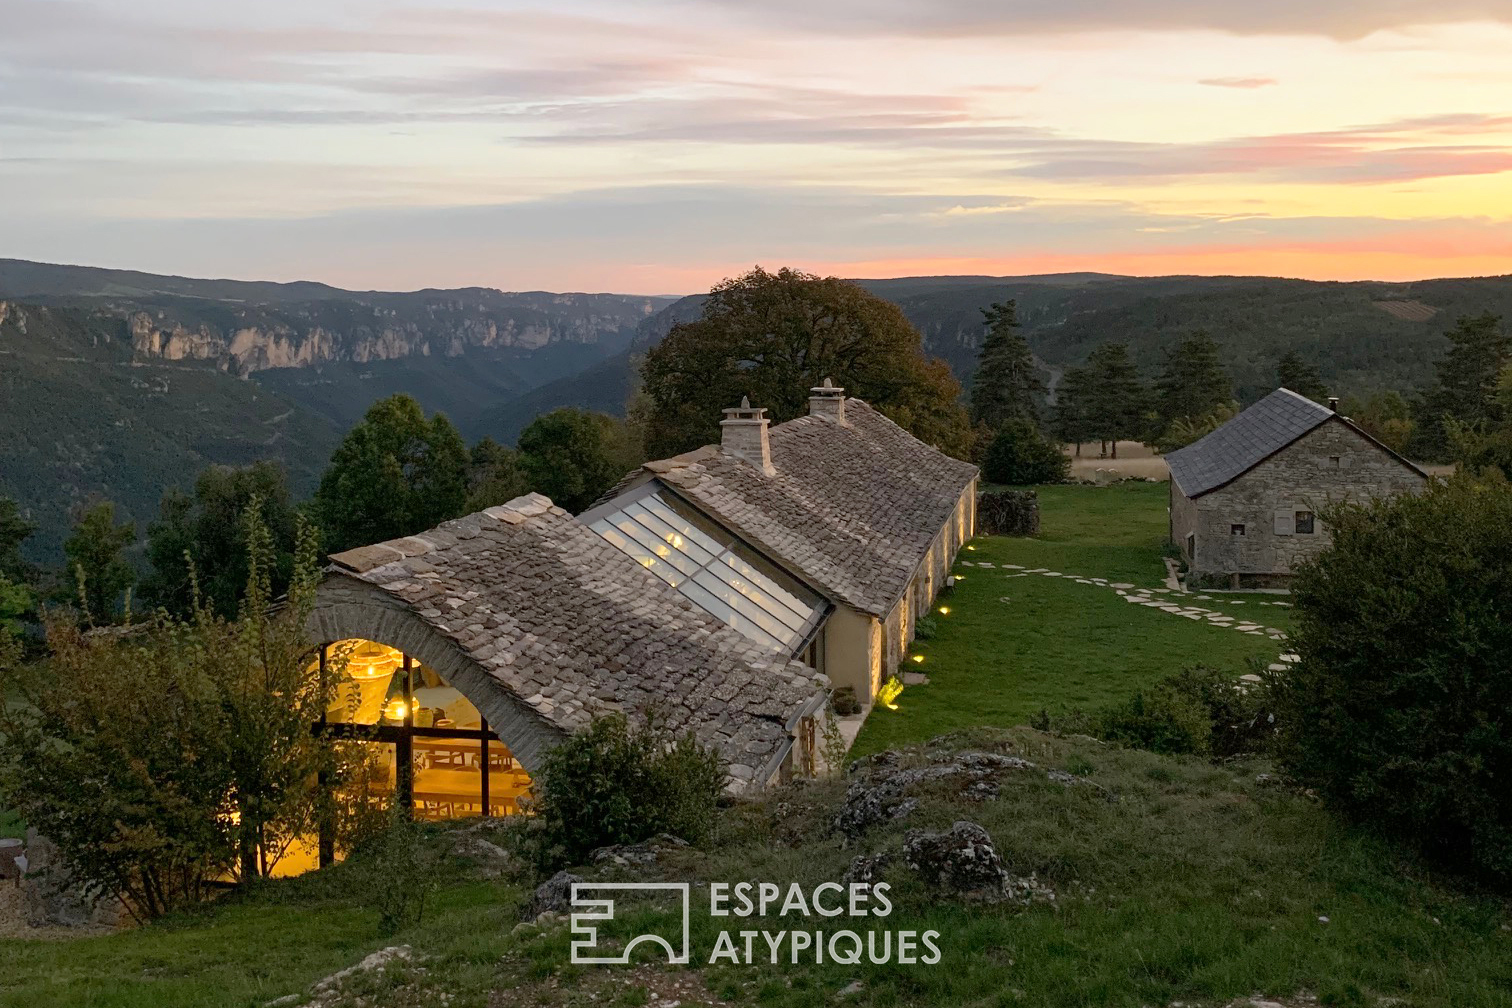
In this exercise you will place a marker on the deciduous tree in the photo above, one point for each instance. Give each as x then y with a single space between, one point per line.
772 337
97 574
396 473
573 456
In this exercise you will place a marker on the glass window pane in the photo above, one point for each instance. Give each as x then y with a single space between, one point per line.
693 543
635 551
717 580
655 546
782 604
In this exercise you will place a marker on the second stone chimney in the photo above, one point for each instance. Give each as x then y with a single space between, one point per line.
743 432
828 401
1333 403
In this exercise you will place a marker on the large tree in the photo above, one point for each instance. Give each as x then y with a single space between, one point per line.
1294 373
97 575
494 475
772 337
205 533
396 473
1071 416
1007 385
1194 383
1116 398
574 455
1465 388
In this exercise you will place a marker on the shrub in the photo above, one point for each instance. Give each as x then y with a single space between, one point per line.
161 757
1198 711
844 701
613 784
1008 512
1399 709
1020 455
398 869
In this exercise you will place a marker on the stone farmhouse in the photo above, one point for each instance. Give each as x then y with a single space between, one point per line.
1245 499
728 589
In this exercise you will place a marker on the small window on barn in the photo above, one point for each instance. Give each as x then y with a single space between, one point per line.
1333 461
1304 523
1237 530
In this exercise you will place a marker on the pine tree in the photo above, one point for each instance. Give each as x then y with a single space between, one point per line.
1292 372
97 574
1071 415
1465 390
1194 383
1117 398
1007 385
396 473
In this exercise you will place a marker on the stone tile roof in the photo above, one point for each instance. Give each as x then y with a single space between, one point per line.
1248 439
575 628
852 509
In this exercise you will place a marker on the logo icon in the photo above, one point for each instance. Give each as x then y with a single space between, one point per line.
603 910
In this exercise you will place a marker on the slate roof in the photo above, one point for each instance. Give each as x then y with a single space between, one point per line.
575 629
1248 439
852 509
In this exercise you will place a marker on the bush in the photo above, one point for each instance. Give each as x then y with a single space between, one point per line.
1399 709
1019 455
397 870
1008 513
1199 711
614 784
844 701
161 757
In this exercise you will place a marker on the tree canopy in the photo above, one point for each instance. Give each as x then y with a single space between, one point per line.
97 574
395 473
772 337
573 456
1195 383
206 531
1292 372
1465 388
1007 385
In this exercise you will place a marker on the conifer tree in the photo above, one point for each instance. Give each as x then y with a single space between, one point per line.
1071 415
1292 372
1117 399
1007 385
1465 390
1194 383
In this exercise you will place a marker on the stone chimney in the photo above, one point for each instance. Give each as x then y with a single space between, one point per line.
743 432
828 401
1333 403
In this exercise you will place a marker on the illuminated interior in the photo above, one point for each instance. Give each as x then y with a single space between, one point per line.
432 750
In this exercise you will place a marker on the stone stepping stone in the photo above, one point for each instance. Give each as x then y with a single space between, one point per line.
984 565
1247 677
1254 633
1195 608
1275 667
915 679
1204 597
1004 598
1013 566
967 563
1291 658
1121 584
1163 591
1192 615
1249 626
1051 574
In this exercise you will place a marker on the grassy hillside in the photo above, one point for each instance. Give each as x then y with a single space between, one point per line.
1196 885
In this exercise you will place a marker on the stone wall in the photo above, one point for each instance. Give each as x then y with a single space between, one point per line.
1330 464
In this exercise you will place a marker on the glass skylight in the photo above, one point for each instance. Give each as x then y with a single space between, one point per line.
717 571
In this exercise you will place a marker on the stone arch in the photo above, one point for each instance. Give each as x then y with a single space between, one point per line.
347 608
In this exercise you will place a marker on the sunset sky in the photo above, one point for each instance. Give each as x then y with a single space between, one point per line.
659 145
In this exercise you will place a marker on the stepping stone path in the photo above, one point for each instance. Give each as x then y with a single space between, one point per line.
1150 597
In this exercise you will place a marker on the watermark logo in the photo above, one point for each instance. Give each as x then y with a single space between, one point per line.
603 910
756 900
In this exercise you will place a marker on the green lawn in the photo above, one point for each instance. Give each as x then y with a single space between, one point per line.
11 824
1057 644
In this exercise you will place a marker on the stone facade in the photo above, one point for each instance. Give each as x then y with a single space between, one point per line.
1253 530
